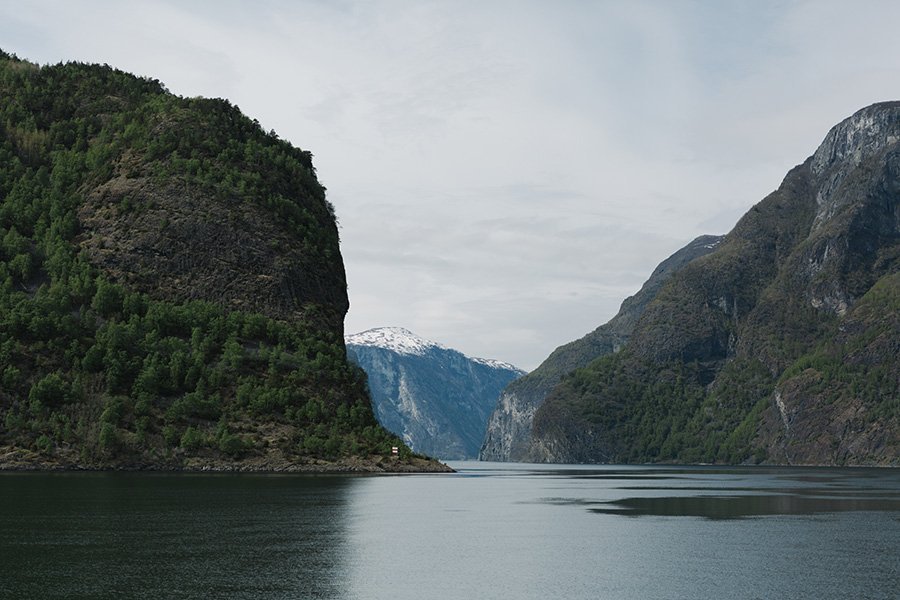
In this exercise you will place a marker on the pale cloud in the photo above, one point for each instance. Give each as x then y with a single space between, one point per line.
507 172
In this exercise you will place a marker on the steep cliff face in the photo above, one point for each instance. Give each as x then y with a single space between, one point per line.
840 404
777 347
172 293
436 399
177 242
508 436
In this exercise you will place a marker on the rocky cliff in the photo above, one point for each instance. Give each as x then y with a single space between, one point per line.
779 347
508 436
172 292
435 398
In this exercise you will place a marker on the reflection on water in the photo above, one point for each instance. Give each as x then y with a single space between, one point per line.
491 531
111 535
748 492
737 507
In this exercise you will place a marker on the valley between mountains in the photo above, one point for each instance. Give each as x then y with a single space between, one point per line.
173 295
776 343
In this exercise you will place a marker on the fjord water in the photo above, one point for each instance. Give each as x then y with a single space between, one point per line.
489 531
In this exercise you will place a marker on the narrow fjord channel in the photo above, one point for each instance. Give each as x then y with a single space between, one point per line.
490 531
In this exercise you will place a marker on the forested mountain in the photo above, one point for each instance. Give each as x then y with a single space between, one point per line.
435 398
781 346
172 293
508 436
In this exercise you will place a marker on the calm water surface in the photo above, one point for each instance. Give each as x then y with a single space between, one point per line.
490 531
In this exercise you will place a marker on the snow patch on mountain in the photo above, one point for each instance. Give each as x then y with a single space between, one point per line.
398 339
404 341
496 364
435 398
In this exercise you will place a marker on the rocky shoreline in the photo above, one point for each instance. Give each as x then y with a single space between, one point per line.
18 459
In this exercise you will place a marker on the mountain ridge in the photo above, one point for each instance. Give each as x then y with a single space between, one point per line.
435 398
398 339
509 430
774 348
404 341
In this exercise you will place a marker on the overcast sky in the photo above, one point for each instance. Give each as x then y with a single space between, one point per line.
506 173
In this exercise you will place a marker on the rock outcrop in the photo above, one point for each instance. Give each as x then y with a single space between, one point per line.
179 243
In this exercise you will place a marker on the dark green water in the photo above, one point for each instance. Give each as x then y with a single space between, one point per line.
491 531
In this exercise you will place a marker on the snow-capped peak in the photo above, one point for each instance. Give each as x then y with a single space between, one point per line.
398 339
404 341
497 364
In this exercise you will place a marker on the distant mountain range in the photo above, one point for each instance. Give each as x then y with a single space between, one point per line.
435 398
778 343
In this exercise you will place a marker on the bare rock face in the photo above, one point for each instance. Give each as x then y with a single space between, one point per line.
508 434
175 243
865 134
856 173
